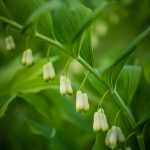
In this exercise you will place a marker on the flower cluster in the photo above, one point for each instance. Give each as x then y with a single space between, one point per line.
9 43
48 71
65 86
113 136
100 121
27 58
82 103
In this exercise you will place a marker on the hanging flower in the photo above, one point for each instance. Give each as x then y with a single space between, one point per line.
9 43
111 137
96 123
27 58
68 86
82 103
79 101
48 71
65 86
120 135
63 89
85 101
103 120
100 121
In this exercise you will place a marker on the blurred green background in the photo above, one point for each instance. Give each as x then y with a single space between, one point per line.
39 117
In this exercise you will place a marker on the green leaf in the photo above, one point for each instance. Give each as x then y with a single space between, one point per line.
37 128
42 11
145 118
37 102
86 51
111 74
68 18
26 79
128 82
21 10
92 17
5 100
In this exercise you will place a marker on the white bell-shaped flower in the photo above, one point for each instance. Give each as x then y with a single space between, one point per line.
111 138
82 103
85 101
9 43
79 101
48 71
27 58
103 120
120 135
63 88
24 58
96 123
68 86
100 121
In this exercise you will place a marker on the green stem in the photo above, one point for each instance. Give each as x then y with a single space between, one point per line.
140 140
93 71
116 117
11 22
83 82
66 66
102 99
125 109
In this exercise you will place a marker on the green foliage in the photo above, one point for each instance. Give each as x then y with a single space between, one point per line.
57 30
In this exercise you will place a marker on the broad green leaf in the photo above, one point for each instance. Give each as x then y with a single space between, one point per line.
87 23
37 102
37 128
145 118
141 104
86 51
5 100
128 82
68 18
111 74
34 18
21 10
25 79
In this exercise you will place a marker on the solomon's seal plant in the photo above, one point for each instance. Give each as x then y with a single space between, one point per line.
104 105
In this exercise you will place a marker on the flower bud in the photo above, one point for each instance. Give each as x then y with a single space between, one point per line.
68 86
85 101
103 120
51 70
27 58
63 89
111 138
79 101
120 135
46 72
9 43
96 123
24 58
